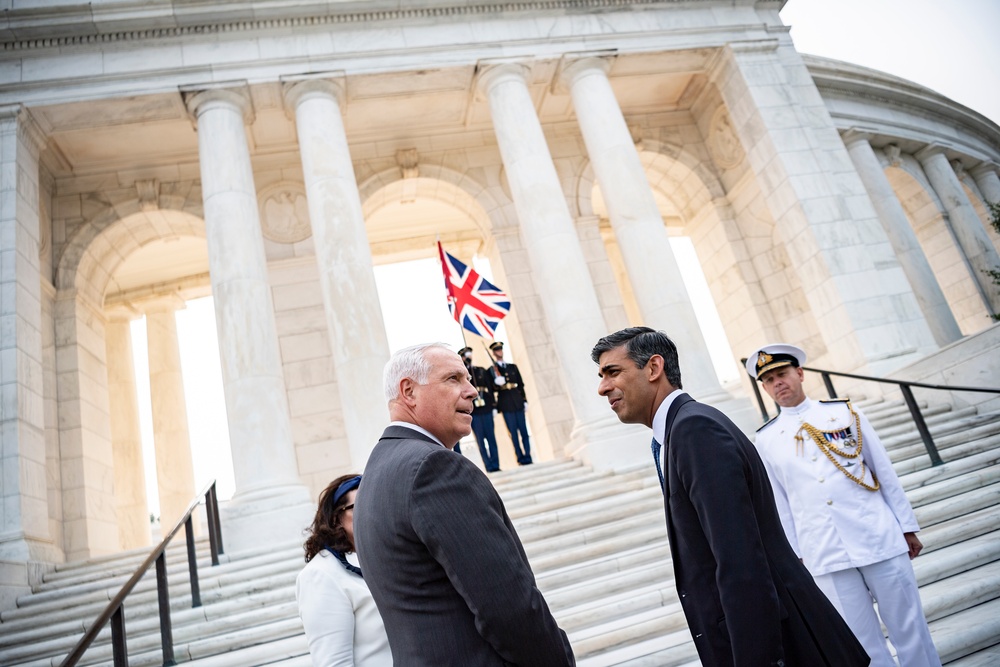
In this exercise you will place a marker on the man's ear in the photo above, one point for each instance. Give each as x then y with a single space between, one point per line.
654 368
407 389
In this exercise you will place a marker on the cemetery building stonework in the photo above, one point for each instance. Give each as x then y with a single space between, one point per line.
271 154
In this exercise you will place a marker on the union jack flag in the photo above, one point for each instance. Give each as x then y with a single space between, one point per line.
475 303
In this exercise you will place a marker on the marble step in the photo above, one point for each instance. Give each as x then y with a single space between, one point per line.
949 596
988 657
938 418
658 598
144 635
277 552
967 632
245 637
48 638
211 581
145 604
907 446
287 652
124 563
973 600
532 502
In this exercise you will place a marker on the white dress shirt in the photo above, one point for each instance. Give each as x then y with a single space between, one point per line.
342 624
831 522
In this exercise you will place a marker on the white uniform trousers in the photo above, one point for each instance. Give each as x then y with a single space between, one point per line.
893 585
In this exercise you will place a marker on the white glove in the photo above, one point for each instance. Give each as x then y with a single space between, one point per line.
499 380
525 406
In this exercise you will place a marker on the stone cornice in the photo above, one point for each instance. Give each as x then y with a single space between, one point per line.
91 24
854 81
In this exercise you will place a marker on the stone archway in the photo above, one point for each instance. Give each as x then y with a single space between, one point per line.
490 228
85 273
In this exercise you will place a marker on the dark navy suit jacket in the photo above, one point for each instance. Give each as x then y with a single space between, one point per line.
748 600
444 564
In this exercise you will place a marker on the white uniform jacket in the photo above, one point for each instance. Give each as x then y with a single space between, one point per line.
831 522
342 624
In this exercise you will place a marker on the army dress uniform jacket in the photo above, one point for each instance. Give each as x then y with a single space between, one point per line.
510 396
832 522
483 380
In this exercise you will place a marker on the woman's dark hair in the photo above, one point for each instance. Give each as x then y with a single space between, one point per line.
326 530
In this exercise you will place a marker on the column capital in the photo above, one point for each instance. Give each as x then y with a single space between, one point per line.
27 129
984 168
490 74
299 89
121 312
572 67
929 151
160 303
855 134
232 95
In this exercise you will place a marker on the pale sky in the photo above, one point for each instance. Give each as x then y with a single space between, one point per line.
950 46
947 45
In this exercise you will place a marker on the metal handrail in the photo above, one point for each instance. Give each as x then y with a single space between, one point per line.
905 387
115 609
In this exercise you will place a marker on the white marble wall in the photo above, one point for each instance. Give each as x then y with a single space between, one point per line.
86 461
851 280
321 447
24 525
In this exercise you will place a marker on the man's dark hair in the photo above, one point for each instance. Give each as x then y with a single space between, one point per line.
641 343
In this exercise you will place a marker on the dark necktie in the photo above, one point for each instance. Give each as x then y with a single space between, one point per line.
655 446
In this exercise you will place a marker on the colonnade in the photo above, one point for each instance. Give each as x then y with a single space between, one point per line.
910 316
251 367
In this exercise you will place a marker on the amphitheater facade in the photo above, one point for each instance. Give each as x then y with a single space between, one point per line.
271 154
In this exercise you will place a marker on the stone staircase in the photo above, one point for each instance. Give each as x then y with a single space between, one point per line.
597 545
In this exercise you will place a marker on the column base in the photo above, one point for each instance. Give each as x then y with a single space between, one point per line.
273 516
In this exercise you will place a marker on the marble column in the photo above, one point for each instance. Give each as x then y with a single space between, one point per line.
986 178
576 323
270 500
172 441
904 241
638 226
358 341
126 438
602 273
965 223
24 522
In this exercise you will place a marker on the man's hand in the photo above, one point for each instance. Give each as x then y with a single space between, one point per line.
499 380
914 544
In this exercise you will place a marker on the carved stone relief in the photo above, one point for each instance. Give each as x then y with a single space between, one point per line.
284 213
723 144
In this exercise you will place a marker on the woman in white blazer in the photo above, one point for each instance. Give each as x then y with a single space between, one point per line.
342 624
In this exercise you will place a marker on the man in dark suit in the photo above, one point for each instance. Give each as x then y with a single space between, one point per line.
748 600
438 551
482 412
511 402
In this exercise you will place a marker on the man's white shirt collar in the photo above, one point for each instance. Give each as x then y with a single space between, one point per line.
799 409
418 429
660 418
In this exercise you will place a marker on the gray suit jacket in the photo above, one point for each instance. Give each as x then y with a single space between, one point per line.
444 564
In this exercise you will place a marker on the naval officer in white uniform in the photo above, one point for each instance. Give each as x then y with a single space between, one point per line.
843 509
